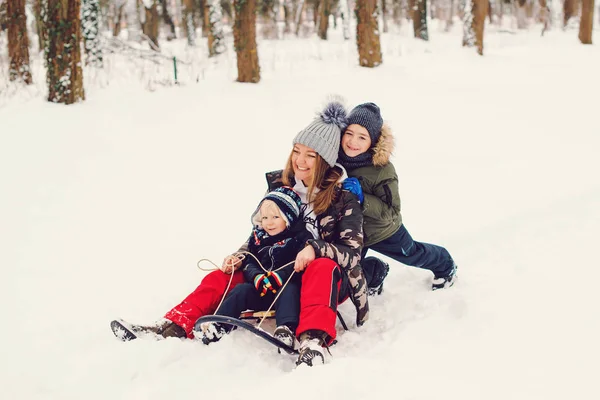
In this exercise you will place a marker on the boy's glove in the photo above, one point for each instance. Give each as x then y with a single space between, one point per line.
267 283
353 186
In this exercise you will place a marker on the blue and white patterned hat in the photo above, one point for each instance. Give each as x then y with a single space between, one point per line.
287 200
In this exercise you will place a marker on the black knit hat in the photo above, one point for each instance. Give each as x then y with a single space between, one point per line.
368 116
288 202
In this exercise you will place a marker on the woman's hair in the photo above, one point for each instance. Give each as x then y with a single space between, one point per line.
325 179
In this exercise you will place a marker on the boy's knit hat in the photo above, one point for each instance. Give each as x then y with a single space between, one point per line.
324 133
368 116
288 202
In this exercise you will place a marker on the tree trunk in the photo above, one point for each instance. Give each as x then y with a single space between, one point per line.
188 22
367 33
324 11
419 16
244 38
216 41
480 12
384 16
63 51
168 20
586 24
119 18
345 11
544 15
39 24
90 15
569 8
150 23
521 13
300 10
18 41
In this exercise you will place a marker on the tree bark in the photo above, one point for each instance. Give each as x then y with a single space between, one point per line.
63 51
188 22
384 15
90 16
216 36
39 24
367 34
418 13
244 38
569 8
150 23
168 20
324 11
586 24
18 42
480 12
119 17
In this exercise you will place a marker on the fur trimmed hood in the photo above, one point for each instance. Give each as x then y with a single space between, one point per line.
384 148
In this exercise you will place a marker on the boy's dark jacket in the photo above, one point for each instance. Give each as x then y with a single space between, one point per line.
379 182
274 252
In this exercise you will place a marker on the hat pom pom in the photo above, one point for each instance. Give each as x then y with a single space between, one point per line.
334 113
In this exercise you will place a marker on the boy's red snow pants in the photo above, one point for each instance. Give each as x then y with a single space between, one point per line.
203 300
319 297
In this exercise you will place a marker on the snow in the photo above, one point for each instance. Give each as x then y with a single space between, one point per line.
107 205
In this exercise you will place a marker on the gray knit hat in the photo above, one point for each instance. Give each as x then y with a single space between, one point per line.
324 133
368 116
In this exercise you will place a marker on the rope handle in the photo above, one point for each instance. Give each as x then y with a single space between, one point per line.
241 256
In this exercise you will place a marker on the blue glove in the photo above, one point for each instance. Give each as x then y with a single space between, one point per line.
353 186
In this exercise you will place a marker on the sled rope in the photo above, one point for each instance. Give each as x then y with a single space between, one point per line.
241 255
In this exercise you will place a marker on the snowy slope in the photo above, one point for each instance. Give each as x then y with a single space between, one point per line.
107 205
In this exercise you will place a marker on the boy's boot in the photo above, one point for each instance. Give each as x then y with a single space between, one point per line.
284 334
445 281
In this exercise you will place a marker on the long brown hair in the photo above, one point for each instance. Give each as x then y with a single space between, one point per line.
325 178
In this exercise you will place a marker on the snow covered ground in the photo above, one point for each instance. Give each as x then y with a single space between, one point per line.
106 206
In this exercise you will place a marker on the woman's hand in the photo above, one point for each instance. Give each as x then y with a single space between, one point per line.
230 264
305 257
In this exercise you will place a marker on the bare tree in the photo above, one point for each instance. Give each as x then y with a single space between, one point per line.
119 8
367 33
216 41
474 23
90 22
149 21
244 38
63 51
188 22
419 17
586 24
18 41
324 11
569 10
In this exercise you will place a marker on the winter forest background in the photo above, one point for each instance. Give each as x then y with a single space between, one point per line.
107 204
170 41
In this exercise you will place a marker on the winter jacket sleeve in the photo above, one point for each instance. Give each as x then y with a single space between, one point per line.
251 269
383 201
346 234
344 247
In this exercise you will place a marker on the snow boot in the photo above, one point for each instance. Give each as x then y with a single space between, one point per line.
161 330
211 332
445 281
284 334
311 349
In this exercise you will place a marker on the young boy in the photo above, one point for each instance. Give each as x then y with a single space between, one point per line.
278 235
365 150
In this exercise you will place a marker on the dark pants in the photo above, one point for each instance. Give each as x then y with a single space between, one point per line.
245 296
401 247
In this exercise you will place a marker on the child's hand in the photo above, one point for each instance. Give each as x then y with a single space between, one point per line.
230 264
353 186
263 285
305 257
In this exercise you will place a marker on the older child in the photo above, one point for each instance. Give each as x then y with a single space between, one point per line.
276 239
365 150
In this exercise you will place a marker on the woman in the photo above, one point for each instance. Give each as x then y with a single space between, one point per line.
330 261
